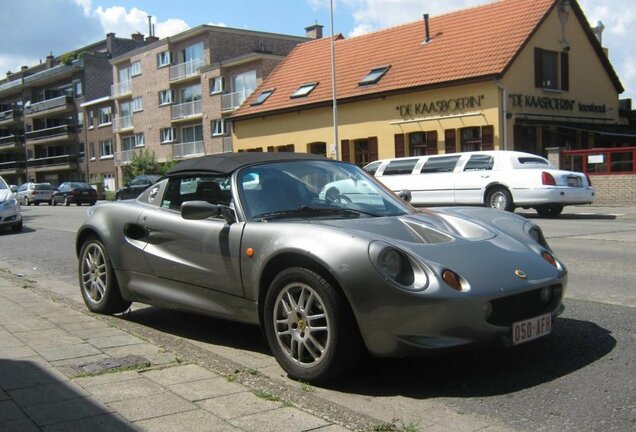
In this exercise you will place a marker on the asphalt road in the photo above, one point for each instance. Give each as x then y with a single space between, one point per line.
581 378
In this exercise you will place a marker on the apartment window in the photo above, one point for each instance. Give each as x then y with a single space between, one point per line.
167 135
77 89
164 59
139 139
91 119
551 69
105 116
374 76
91 148
191 93
192 134
106 149
218 127
80 120
262 97
135 68
81 150
127 142
304 90
193 52
217 85
166 97
137 104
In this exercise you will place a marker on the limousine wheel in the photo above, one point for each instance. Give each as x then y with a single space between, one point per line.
499 198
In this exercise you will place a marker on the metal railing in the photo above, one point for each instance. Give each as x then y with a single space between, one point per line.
12 165
53 160
187 109
9 141
121 123
231 101
182 150
48 104
50 132
184 70
12 115
121 88
124 157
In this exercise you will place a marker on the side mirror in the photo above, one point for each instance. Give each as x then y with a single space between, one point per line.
199 210
13 188
405 194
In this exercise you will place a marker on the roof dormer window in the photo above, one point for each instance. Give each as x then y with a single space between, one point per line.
263 97
304 90
374 76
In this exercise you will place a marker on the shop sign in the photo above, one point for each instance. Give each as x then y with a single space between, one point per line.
440 107
554 104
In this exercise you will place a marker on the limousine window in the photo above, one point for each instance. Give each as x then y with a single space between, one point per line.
400 166
372 167
480 163
440 164
532 160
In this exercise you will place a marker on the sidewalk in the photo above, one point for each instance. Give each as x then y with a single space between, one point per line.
62 369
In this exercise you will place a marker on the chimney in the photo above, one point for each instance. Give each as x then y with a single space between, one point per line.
151 39
23 68
50 61
426 30
110 37
314 31
137 37
598 31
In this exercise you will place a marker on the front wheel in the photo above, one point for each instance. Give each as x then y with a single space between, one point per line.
500 198
67 201
97 280
310 327
53 202
549 211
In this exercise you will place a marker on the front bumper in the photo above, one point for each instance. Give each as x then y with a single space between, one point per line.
10 217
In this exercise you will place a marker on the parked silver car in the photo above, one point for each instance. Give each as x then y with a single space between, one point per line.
264 238
10 213
35 193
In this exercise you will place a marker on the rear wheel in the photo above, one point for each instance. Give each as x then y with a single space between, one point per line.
549 211
67 201
500 198
310 327
98 283
26 201
53 202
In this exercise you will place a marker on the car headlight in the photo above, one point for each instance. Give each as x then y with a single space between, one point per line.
536 234
397 266
9 203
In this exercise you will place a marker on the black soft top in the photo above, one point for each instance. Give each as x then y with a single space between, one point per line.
226 163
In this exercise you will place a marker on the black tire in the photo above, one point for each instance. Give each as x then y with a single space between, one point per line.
26 201
17 227
549 211
67 201
37 203
53 202
500 198
98 283
92 203
309 354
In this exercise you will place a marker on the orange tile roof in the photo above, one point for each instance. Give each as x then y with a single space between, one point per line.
474 43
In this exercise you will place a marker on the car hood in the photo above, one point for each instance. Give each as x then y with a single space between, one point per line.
4 194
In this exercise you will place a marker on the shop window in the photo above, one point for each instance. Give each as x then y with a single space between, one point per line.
423 143
319 148
477 138
364 150
551 69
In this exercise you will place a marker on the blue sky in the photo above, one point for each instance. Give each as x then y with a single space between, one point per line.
34 28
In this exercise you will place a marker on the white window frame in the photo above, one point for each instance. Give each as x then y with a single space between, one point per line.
135 68
168 135
217 85
105 116
104 146
164 59
219 127
139 139
137 104
91 119
166 97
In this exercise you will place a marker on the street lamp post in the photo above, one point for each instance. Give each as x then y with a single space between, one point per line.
333 86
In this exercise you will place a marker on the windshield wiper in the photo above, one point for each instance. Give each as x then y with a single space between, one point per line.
313 211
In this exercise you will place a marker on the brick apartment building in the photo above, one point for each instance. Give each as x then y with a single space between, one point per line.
40 115
172 96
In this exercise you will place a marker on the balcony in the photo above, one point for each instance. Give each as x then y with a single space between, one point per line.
186 110
188 149
54 163
13 167
10 142
122 123
10 117
58 105
57 133
124 157
185 70
121 89
231 101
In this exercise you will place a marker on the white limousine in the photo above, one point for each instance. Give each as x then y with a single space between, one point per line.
499 179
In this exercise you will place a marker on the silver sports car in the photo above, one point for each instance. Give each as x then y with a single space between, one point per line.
325 259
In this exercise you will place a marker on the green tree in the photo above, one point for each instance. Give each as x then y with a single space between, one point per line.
145 162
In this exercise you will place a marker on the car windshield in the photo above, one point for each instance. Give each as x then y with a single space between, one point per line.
314 189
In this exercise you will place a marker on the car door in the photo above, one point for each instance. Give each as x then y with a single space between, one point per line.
202 253
472 179
436 181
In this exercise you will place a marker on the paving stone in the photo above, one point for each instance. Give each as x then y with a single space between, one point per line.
205 389
90 382
114 341
47 393
190 421
78 361
21 425
152 406
101 423
9 340
123 390
105 365
68 351
179 374
17 352
10 411
237 405
47 338
65 411
288 419
21 374
156 355
331 428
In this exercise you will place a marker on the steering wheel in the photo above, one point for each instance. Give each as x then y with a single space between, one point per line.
333 195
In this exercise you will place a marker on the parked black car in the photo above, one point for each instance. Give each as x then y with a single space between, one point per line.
74 192
136 186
